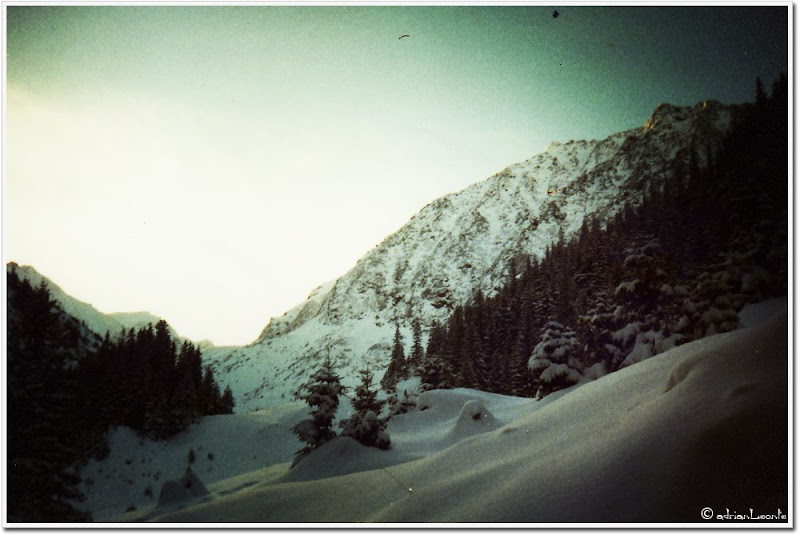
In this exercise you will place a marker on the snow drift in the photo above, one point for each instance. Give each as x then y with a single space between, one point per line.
701 426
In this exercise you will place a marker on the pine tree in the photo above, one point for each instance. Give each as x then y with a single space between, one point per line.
227 403
598 327
321 393
366 398
43 441
158 422
397 369
435 374
417 351
761 93
519 377
364 425
553 363
209 392
435 371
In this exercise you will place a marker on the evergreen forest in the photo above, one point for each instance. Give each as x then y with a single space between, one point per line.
675 264
67 389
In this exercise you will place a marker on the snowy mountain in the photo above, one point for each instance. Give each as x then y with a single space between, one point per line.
462 243
96 321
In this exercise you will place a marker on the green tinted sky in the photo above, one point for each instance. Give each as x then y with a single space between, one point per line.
152 150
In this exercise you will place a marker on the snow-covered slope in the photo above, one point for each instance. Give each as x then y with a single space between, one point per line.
699 430
461 243
225 446
96 321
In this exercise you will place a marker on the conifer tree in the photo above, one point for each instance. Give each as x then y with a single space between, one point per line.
553 362
397 369
475 365
321 393
435 374
366 398
209 392
761 93
364 424
435 371
42 441
417 351
227 403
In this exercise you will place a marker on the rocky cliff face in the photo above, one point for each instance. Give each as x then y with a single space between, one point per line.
462 243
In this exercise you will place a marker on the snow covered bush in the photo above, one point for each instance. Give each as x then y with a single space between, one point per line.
714 302
367 429
650 343
187 487
401 403
595 371
554 362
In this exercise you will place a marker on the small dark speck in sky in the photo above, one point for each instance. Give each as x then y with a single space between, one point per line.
555 14
404 35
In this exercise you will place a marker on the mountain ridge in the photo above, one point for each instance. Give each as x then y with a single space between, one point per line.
98 322
464 242
589 160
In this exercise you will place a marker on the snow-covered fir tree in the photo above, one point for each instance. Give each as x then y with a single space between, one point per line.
554 362
364 424
321 393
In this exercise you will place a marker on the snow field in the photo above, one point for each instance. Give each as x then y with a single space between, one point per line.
702 425
224 446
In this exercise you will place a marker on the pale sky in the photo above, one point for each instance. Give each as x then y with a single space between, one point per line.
214 164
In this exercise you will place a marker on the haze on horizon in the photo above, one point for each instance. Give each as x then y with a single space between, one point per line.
214 164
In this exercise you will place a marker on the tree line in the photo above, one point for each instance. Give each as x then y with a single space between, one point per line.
145 381
67 389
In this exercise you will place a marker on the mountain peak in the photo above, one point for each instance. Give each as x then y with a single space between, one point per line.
707 110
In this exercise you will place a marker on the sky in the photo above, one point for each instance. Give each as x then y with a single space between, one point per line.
213 164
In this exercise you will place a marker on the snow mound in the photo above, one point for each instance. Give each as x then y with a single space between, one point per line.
473 419
188 487
448 403
756 313
340 456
